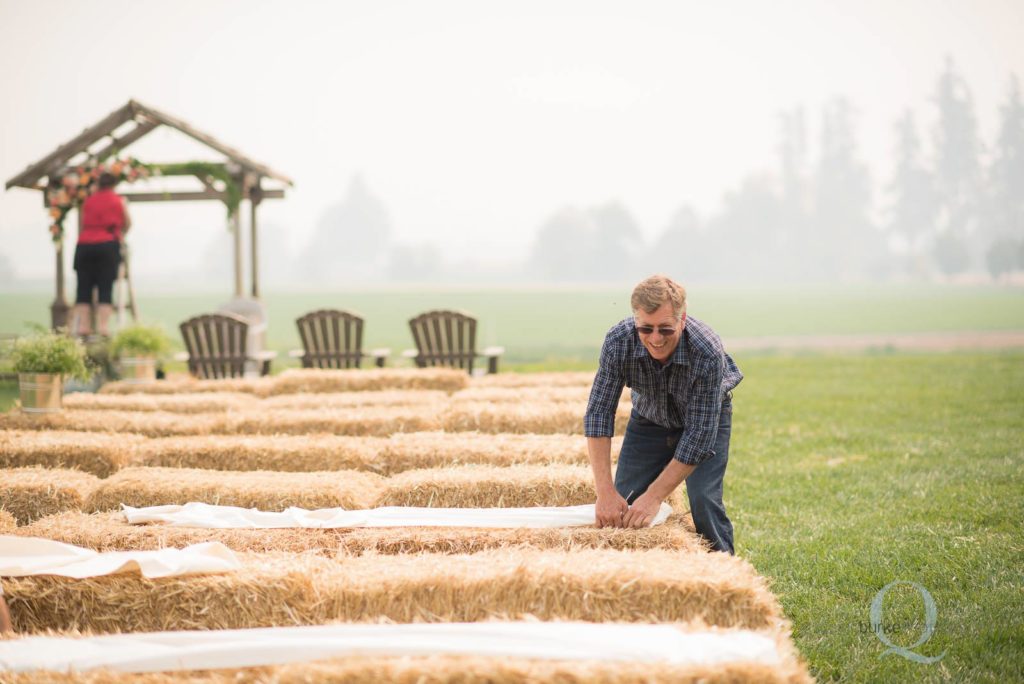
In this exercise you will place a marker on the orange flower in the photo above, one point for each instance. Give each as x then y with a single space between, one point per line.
82 194
84 179
55 213
115 168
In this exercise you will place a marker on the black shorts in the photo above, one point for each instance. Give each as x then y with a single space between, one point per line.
97 265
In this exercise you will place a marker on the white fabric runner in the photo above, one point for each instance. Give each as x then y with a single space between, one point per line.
206 515
20 556
201 650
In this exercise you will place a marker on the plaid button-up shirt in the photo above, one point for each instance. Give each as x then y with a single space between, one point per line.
686 393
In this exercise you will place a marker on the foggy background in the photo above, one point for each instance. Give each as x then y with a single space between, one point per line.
538 142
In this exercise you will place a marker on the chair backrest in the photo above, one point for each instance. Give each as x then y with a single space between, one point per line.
216 345
444 338
331 338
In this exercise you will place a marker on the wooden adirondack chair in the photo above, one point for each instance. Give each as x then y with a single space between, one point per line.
217 347
448 338
332 338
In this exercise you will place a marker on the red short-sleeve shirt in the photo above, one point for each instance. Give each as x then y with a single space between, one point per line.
102 217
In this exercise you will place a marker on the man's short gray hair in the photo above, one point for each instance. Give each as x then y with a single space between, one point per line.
654 291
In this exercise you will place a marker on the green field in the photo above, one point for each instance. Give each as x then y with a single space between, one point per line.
563 328
847 472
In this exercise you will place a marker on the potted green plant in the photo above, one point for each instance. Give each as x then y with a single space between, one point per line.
42 361
138 347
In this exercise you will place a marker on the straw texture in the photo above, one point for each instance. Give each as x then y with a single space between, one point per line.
286 589
109 532
99 454
554 379
32 493
480 486
264 490
535 417
7 522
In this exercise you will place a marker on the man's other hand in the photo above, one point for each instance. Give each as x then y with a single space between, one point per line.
610 510
642 512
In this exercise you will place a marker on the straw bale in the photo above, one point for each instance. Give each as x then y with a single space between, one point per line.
536 417
31 493
296 380
7 522
285 453
187 385
483 486
443 669
96 453
265 490
373 420
411 397
110 532
199 402
552 379
568 395
289 589
436 449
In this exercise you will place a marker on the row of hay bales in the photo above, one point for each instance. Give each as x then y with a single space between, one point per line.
295 577
536 418
299 381
104 453
32 493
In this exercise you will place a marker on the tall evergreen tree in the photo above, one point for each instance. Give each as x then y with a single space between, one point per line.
1004 215
957 172
912 211
844 240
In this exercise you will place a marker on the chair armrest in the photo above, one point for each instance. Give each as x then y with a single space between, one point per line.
180 356
296 353
410 354
493 351
265 355
380 352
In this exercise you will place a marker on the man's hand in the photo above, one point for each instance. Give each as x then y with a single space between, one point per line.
643 510
610 509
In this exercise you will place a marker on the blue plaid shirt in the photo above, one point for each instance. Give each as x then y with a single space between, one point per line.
687 393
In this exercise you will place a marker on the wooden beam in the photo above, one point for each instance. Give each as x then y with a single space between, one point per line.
128 138
190 196
30 176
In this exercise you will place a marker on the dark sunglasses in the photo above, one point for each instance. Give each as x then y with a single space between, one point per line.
663 330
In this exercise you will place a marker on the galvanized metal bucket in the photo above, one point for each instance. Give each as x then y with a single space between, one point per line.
137 370
40 392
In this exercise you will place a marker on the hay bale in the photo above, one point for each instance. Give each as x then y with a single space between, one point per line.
291 589
96 453
285 453
109 532
267 491
503 395
536 417
552 379
201 402
8 523
32 493
373 420
450 669
294 381
412 397
482 486
187 385
438 449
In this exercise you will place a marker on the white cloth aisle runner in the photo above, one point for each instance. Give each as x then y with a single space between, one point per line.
206 515
20 556
213 649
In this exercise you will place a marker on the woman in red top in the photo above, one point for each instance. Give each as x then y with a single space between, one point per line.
105 220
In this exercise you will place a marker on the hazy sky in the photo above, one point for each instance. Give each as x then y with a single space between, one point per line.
473 121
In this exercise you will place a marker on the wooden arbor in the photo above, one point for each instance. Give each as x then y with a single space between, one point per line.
124 127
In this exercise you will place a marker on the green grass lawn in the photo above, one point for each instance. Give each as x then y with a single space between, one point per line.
850 472
847 473
563 327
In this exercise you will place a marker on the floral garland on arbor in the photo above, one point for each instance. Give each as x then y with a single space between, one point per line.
76 185
72 189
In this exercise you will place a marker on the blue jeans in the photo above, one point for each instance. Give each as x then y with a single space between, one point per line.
648 448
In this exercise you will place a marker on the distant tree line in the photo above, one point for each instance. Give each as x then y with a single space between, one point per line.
949 207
